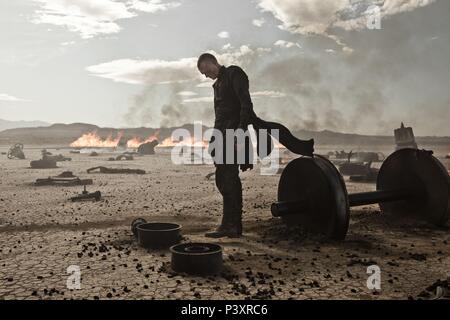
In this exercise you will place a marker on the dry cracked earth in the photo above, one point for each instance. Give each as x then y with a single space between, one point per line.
43 233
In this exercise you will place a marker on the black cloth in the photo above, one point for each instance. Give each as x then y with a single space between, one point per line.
285 137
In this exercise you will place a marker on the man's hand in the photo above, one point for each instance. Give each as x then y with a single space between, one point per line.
244 148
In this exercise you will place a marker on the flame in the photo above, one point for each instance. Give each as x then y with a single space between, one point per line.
168 142
92 139
136 141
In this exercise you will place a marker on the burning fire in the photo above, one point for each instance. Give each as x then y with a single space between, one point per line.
136 141
92 139
168 142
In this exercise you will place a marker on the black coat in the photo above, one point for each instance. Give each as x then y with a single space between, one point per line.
233 109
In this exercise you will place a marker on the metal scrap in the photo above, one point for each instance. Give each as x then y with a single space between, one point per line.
66 178
370 176
85 195
115 170
43 164
404 138
46 162
121 157
148 147
66 174
353 168
59 157
53 181
16 152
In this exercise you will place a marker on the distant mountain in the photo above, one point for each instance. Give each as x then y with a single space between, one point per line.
327 137
64 134
7 124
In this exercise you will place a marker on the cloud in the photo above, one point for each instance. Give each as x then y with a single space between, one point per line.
10 98
147 71
286 44
156 71
227 46
258 22
68 43
311 16
187 93
91 18
199 99
88 18
205 84
319 17
153 6
223 34
268 94
241 56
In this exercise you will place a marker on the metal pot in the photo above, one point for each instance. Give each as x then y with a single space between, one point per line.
197 258
158 235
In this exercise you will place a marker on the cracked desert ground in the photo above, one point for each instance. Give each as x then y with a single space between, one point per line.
42 233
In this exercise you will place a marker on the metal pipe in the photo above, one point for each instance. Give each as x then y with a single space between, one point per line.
363 198
283 208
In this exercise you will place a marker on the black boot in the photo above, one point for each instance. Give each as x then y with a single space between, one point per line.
230 187
232 229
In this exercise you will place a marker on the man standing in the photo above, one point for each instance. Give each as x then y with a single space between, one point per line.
233 109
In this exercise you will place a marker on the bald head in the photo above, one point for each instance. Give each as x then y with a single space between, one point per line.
207 65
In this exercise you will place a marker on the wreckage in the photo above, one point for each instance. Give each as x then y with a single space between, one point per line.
66 178
121 157
16 152
57 158
370 175
360 169
48 160
404 138
85 195
114 170
44 163
148 147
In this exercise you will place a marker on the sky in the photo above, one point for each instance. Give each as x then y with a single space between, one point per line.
343 65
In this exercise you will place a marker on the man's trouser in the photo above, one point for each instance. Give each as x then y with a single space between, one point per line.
230 187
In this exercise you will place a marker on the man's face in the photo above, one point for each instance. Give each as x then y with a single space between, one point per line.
209 69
